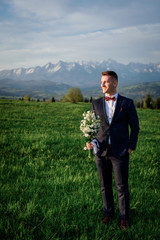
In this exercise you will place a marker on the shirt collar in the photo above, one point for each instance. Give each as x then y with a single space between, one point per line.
115 95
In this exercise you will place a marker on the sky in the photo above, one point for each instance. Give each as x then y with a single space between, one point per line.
35 32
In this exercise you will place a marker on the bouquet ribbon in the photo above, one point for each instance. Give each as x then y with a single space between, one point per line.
95 146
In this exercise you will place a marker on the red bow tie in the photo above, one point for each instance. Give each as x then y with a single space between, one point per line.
110 98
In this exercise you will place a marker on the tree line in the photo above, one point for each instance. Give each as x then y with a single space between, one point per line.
148 102
74 95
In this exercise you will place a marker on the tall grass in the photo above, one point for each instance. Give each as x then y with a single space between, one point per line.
49 187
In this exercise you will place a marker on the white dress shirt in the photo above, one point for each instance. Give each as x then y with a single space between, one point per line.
110 109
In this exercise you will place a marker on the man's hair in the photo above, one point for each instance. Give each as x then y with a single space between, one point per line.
110 73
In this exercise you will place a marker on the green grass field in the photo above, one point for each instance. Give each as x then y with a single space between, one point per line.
49 189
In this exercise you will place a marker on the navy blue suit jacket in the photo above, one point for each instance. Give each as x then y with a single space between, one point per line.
125 116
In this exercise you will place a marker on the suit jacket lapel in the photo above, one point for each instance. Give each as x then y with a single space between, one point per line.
117 108
104 111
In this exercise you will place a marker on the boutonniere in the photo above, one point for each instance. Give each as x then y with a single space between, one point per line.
121 109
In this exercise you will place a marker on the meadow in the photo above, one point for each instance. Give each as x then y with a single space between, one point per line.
49 188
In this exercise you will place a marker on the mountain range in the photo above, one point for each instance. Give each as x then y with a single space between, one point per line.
55 79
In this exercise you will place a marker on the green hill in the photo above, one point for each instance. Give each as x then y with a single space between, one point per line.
136 92
47 89
139 91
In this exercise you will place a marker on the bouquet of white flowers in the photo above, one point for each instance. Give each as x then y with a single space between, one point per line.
89 126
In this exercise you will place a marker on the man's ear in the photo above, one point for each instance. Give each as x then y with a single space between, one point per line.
115 83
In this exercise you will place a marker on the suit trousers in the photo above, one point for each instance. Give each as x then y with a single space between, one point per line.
120 168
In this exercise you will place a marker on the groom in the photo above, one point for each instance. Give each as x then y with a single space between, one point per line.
115 143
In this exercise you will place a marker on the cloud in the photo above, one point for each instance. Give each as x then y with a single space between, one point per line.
126 44
70 15
36 31
39 9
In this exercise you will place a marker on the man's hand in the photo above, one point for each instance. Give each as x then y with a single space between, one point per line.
129 150
89 145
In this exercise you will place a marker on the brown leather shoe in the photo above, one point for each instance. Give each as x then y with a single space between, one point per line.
107 219
124 224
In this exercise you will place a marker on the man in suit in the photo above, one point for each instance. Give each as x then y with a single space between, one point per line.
117 114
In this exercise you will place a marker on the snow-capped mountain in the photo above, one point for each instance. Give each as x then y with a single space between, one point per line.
55 79
85 74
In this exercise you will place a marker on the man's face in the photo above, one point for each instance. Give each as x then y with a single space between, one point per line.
108 84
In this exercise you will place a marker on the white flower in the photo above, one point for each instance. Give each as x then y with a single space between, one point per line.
86 135
90 125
